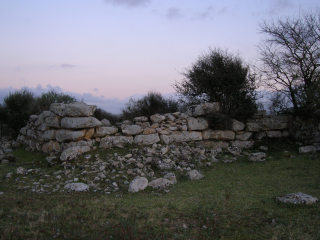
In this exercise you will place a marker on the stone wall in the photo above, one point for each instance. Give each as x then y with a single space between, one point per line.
71 125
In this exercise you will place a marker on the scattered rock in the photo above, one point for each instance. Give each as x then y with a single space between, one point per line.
307 149
138 184
257 157
194 175
20 170
159 183
78 187
297 198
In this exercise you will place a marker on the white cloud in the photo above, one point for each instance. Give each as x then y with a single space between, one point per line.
129 3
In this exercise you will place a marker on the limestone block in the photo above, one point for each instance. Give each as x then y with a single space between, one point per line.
49 135
80 122
171 177
297 198
140 119
218 134
274 134
197 124
253 127
273 123
146 139
203 109
72 153
103 131
149 131
213 144
259 135
138 184
157 118
236 126
307 149
76 109
185 136
244 137
242 144
64 135
194 175
105 123
115 141
165 139
170 117
77 187
257 157
53 121
51 146
130 130
159 183
89 133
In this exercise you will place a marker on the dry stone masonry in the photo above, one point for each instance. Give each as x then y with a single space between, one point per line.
71 127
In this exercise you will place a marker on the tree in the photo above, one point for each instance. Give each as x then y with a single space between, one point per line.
290 59
43 102
148 105
17 107
219 76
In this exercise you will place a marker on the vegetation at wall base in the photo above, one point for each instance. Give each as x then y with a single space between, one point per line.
233 201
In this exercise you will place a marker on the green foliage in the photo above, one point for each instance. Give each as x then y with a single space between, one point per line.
17 107
102 114
148 105
43 102
218 76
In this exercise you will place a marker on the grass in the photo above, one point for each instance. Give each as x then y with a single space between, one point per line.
233 201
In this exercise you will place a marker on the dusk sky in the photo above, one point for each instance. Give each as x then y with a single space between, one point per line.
104 51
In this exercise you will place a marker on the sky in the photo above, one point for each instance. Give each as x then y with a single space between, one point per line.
105 51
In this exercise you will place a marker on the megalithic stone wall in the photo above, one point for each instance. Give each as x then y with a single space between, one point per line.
70 125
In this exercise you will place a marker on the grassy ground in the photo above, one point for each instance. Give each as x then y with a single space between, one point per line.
233 201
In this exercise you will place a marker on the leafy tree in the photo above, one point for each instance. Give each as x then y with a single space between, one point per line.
219 76
290 59
17 107
43 102
148 105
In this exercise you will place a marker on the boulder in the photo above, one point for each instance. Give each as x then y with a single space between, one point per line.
244 137
157 118
184 136
53 121
159 183
253 127
257 157
146 139
307 149
80 122
78 187
20 170
297 198
103 131
105 123
197 124
203 109
274 134
138 184
49 135
72 153
194 175
218 134
115 141
130 130
76 109
274 123
89 133
64 135
242 144
140 119
149 131
171 177
51 146
235 125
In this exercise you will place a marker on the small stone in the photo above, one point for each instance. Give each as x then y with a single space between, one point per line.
297 198
194 175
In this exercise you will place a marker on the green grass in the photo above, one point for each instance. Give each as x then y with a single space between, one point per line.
233 201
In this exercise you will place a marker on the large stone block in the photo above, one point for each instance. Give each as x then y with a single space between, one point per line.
245 136
185 136
157 118
203 109
146 139
274 134
72 153
53 121
242 144
103 131
115 141
140 119
49 135
235 125
69 135
253 127
52 146
80 122
130 130
76 109
197 124
273 123
218 134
